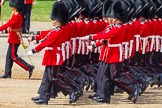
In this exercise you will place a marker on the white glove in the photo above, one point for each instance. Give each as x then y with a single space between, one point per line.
29 39
30 53
90 48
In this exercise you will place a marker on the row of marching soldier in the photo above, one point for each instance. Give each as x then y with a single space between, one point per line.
100 45
126 43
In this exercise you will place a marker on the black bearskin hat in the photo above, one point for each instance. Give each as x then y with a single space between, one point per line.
86 5
59 12
159 13
80 4
152 9
77 8
138 7
142 7
158 4
118 10
74 8
159 10
106 6
18 4
148 9
145 9
96 9
131 8
71 7
99 9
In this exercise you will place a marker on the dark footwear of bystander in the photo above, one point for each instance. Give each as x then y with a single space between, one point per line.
31 71
4 76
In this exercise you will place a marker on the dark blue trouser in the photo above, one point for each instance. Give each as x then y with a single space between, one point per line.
26 17
46 84
13 57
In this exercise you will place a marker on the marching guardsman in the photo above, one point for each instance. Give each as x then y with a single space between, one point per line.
52 56
129 44
67 35
14 26
111 67
86 26
158 48
152 56
154 40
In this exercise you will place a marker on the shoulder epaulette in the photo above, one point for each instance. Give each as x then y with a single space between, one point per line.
73 21
79 20
57 28
112 25
118 25
142 21
154 19
130 22
108 29
100 20
125 24
94 20
134 20
86 21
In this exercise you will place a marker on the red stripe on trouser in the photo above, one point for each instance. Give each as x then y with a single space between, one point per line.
14 57
127 89
57 81
61 83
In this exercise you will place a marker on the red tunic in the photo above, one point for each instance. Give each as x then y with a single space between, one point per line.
136 27
99 43
152 34
15 22
128 41
52 55
52 44
115 37
160 23
144 32
156 25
